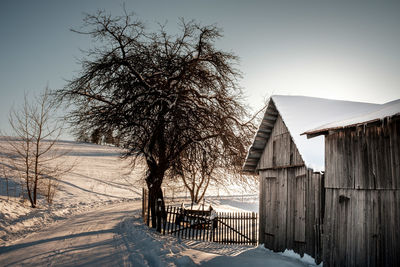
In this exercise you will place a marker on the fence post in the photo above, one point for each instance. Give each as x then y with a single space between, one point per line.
158 214
143 206
253 227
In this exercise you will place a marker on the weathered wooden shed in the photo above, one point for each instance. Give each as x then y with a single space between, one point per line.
290 171
362 189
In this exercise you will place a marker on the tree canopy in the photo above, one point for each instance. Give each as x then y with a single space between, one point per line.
169 98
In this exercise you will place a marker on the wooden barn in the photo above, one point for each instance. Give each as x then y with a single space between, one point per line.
362 189
290 169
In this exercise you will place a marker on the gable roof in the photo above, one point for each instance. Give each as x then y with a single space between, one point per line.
388 110
300 113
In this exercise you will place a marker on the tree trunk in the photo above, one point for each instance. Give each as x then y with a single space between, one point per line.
152 204
35 184
154 182
28 189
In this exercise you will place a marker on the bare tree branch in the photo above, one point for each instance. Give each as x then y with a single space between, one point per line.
173 99
33 147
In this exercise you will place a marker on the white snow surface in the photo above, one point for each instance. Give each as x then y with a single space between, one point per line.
301 113
95 221
386 110
99 177
115 235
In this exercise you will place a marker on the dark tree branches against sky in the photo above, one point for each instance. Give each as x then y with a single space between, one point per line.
162 94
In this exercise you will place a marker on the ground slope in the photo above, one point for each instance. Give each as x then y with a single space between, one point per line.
114 235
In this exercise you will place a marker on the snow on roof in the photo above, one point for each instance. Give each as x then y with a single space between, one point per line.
387 110
300 113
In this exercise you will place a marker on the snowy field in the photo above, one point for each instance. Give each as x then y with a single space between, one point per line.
99 177
95 220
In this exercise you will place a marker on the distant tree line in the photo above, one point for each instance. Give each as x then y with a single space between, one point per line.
98 136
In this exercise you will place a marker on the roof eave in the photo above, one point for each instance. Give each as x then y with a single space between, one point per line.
261 138
325 131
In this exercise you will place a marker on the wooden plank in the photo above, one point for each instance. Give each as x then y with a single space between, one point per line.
164 224
165 221
204 228
246 228
221 232
270 219
394 129
218 231
300 209
168 218
232 225
256 225
262 207
226 228
237 227
291 200
208 231
174 226
249 234
252 228
282 209
241 216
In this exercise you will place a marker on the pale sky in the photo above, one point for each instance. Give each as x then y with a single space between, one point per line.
329 49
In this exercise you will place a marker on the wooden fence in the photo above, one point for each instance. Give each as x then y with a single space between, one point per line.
220 227
205 225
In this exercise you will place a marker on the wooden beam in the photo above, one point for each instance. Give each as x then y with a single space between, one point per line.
263 135
254 155
272 112
281 167
270 117
266 130
267 124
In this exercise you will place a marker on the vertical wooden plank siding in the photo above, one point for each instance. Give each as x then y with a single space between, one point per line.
285 151
290 197
362 205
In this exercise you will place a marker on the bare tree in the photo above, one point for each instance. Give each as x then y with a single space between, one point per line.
204 164
161 93
33 152
197 168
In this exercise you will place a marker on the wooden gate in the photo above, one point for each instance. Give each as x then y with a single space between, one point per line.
220 227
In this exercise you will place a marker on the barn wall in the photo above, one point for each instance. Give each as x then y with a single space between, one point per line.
362 210
364 158
290 197
280 150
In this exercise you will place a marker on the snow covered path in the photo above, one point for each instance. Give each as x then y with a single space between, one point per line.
114 235
84 240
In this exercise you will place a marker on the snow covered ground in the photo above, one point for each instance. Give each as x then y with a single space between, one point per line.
95 220
99 177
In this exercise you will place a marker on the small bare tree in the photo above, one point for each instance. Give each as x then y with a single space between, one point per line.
197 168
204 164
32 147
